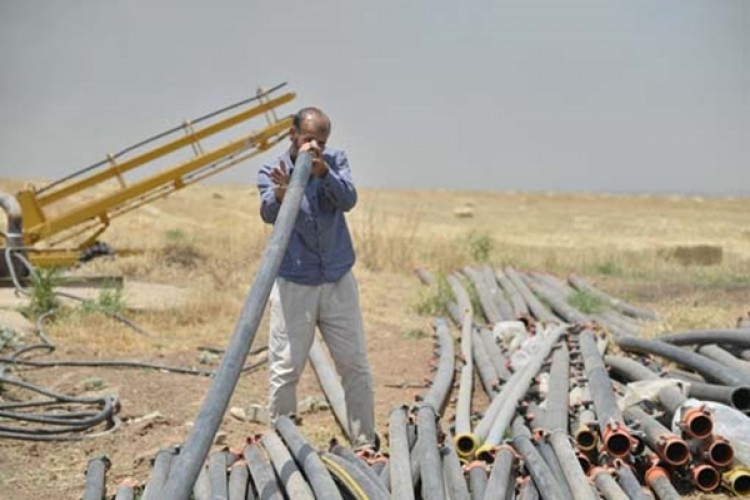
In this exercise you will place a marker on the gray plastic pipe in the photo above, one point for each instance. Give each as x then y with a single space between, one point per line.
465 441
617 304
316 473
495 354
500 413
441 384
483 365
489 308
710 369
606 485
477 479
428 456
331 384
262 473
539 310
187 466
544 480
159 473
239 487
400 466
96 471
501 483
614 436
289 475
502 304
740 338
517 303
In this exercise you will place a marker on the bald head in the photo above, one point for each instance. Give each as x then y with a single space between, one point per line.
307 125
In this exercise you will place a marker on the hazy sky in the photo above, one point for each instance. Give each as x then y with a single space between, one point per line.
632 95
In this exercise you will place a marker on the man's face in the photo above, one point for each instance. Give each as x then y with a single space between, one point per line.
313 128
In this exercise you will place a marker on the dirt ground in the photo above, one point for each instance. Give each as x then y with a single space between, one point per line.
33 470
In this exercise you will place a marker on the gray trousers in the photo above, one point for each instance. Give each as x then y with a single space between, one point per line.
334 308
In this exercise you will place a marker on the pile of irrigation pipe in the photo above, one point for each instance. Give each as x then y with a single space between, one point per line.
579 407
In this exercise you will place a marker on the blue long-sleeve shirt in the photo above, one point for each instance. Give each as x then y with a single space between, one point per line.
320 248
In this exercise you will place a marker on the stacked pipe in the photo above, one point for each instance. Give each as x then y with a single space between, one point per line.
579 407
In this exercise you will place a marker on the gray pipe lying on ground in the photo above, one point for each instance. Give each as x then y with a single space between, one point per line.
441 384
495 354
289 475
724 357
159 473
320 480
502 304
187 466
499 414
740 338
543 477
539 310
670 448
617 304
331 384
501 483
239 479
489 308
262 472
628 482
614 435
520 309
96 476
710 369
400 465
477 479
483 365
428 456
606 485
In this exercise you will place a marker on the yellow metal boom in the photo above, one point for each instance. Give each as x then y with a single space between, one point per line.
56 214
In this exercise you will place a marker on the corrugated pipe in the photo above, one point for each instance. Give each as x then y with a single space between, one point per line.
187 466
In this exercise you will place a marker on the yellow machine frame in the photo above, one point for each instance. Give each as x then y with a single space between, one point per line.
85 221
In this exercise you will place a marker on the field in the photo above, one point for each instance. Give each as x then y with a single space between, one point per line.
206 242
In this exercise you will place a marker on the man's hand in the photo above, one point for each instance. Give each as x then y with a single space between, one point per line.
319 165
280 178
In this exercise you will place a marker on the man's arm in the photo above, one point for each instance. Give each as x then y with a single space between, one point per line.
269 204
338 185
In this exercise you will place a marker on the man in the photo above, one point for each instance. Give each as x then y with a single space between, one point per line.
315 286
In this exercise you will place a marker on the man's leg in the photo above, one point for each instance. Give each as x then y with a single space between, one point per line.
293 317
340 323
